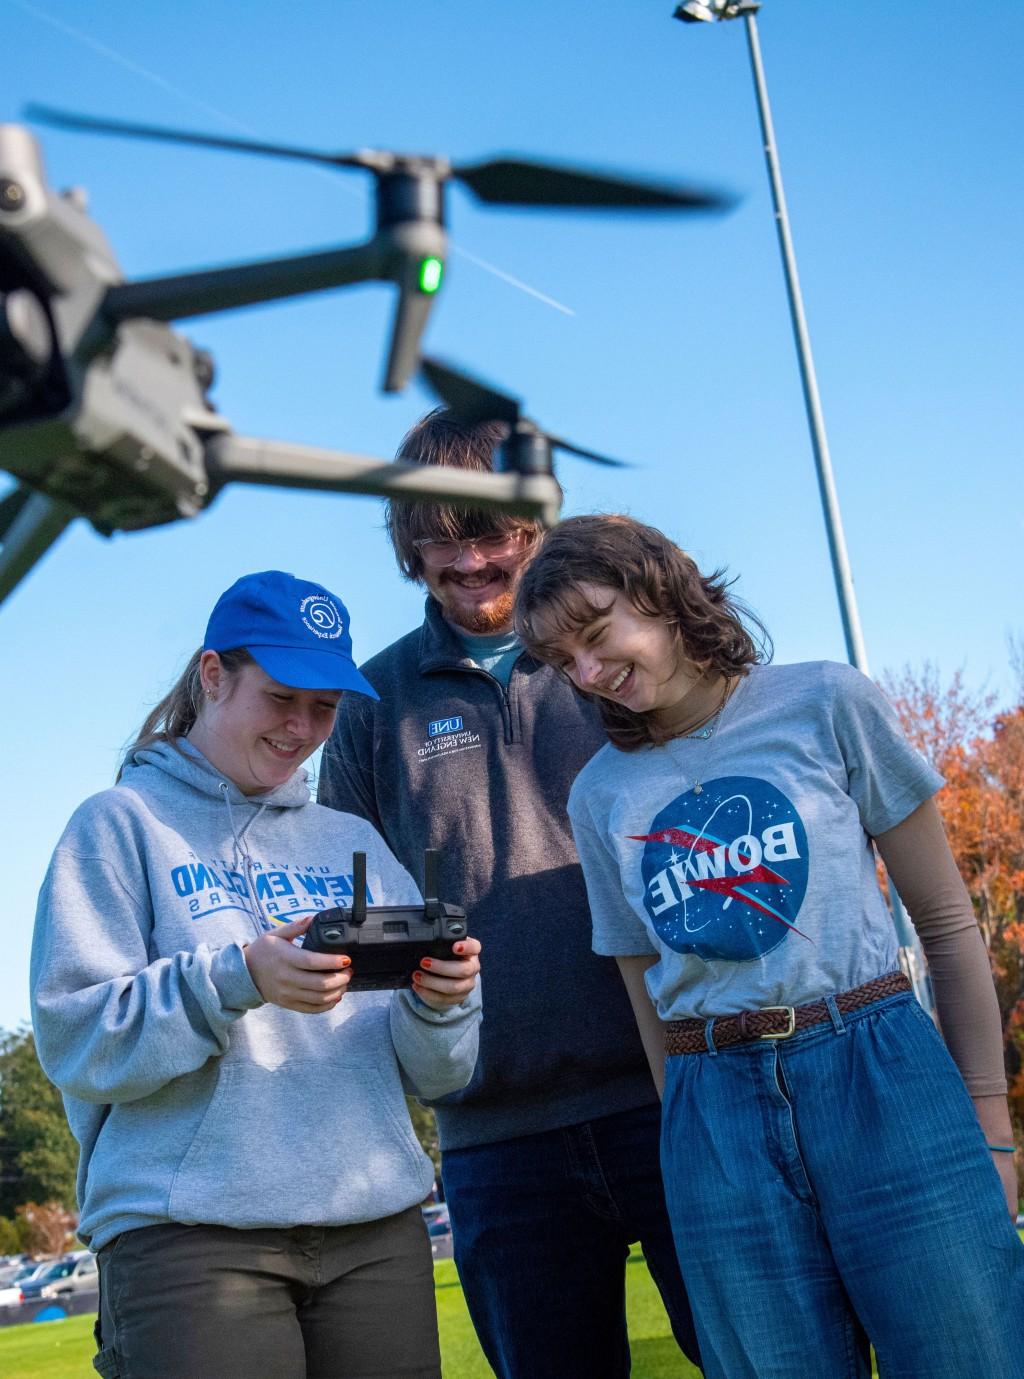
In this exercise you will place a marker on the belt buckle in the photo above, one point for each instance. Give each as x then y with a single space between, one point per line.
790 1022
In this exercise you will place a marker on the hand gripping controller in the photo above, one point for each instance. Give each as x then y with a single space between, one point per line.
386 942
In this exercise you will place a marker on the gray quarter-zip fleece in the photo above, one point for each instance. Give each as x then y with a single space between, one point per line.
191 1099
450 758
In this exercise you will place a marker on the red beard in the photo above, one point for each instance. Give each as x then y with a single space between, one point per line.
489 617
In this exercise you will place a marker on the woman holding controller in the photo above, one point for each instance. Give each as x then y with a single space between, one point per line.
831 1181
248 1174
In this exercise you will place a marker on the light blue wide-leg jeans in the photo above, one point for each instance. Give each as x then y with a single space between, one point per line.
834 1189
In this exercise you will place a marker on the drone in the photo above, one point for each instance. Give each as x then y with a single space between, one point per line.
105 411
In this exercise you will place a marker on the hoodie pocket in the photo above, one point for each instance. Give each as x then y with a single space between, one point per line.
306 1142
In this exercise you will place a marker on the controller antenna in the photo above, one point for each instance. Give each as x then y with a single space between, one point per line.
431 904
358 888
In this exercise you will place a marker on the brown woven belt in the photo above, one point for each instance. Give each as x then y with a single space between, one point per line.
775 1022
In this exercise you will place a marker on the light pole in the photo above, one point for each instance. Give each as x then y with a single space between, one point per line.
708 12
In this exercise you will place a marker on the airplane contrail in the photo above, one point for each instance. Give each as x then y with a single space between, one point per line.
137 68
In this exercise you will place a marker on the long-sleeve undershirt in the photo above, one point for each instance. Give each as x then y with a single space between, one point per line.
922 867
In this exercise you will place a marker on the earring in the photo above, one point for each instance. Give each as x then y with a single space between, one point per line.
210 695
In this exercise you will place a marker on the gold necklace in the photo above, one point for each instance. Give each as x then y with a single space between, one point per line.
709 729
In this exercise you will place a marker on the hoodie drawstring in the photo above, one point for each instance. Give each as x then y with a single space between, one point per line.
241 859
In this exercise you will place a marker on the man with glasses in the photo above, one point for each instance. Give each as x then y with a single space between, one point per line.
550 1155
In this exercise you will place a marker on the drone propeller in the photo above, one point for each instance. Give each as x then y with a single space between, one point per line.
499 181
522 182
528 448
89 124
469 399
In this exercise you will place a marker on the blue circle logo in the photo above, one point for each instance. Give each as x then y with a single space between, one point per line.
725 871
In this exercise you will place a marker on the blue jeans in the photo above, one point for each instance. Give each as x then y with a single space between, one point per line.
834 1189
541 1227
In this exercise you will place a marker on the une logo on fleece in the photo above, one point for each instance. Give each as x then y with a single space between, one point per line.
440 726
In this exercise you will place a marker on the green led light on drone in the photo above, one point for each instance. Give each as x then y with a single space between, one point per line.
431 270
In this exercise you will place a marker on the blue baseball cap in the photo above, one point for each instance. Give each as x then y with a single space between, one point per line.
294 630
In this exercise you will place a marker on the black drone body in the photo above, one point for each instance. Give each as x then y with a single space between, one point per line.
104 409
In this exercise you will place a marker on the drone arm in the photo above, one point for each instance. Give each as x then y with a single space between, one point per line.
224 289
410 321
413 244
243 459
29 525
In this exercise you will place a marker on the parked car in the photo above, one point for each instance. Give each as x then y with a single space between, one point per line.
74 1273
436 1217
10 1294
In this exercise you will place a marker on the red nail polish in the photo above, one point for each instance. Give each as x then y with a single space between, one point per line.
346 962
460 948
426 962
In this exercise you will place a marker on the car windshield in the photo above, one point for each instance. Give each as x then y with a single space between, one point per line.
60 1270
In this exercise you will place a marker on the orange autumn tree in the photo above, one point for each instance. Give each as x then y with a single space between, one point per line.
980 751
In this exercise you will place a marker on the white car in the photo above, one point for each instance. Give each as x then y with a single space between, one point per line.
11 1294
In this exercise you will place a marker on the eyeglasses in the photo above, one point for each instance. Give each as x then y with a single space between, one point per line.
438 555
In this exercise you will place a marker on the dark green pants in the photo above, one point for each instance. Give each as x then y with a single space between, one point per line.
310 1302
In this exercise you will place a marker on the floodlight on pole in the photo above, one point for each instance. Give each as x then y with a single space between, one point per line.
695 13
708 12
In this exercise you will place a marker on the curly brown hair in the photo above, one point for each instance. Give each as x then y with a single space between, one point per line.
440 438
715 630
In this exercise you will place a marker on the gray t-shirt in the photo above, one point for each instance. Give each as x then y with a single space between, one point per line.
760 887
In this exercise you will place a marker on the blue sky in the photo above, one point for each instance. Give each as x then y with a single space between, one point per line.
899 133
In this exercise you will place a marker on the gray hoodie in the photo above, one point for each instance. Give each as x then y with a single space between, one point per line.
192 1100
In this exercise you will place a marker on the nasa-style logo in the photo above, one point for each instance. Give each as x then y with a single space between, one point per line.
320 614
725 871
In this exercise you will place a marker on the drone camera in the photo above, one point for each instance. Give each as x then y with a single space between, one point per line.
12 195
387 942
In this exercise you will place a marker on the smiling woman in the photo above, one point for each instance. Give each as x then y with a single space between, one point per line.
727 835
171 1007
628 658
256 730
631 619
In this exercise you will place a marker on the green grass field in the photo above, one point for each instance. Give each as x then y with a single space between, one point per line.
63 1350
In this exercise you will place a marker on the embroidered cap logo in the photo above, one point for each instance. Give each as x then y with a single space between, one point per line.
321 616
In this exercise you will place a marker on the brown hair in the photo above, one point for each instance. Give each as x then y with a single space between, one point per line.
659 580
177 711
440 438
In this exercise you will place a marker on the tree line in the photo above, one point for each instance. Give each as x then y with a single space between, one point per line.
38 1154
979 749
